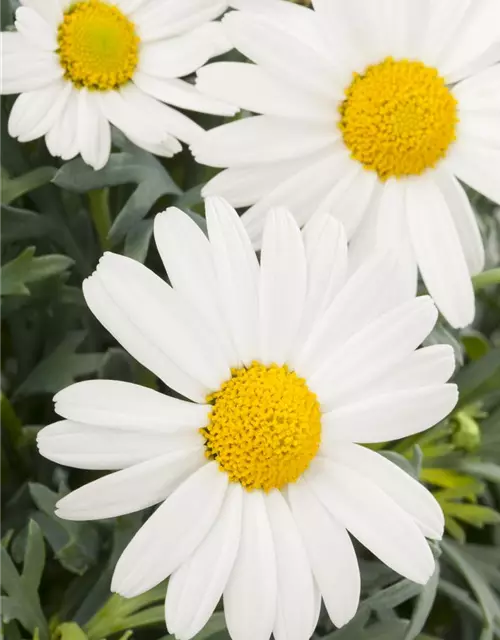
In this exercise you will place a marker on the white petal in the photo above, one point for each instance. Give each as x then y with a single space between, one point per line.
128 6
373 518
250 595
464 218
282 54
477 166
336 36
250 87
302 192
262 139
140 117
29 71
159 312
187 256
237 272
424 367
49 10
168 121
181 94
137 341
283 283
167 18
123 405
94 133
296 605
196 587
172 533
349 199
443 20
477 32
362 243
407 493
364 298
479 93
35 112
85 446
243 186
138 487
62 138
35 29
352 365
330 551
390 416
326 254
439 252
166 148
296 20
179 56
393 233
371 23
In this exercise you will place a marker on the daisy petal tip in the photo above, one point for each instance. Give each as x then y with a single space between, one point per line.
219 205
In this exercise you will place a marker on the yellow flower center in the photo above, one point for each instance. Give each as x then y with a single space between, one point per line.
98 46
264 428
398 118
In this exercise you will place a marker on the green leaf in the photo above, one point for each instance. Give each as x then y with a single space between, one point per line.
7 19
70 631
487 470
386 630
21 224
454 529
22 602
354 629
10 421
75 544
392 596
443 335
423 606
445 478
476 345
13 188
486 279
479 378
134 166
464 601
25 269
138 240
464 563
60 368
473 514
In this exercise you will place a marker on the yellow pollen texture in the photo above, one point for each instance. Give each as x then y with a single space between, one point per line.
398 118
98 46
264 428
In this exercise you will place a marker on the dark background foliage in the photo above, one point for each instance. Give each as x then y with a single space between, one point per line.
56 220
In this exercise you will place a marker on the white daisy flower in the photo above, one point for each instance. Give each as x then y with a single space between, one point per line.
374 109
287 367
81 66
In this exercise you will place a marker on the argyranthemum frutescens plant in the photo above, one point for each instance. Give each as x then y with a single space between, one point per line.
374 109
82 66
288 367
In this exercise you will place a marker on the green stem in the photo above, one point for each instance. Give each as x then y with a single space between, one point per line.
99 210
486 279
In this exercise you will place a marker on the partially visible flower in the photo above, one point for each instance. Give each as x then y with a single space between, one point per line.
374 109
81 66
287 367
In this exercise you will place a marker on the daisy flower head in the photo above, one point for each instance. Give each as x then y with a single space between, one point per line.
374 109
287 367
81 66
